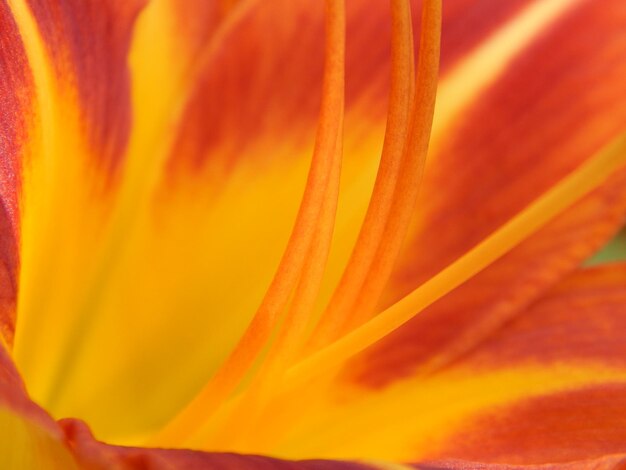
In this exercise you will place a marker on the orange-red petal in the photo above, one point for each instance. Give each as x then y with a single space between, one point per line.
16 97
88 44
235 127
570 425
93 455
579 319
208 243
578 323
29 437
521 135
608 462
567 345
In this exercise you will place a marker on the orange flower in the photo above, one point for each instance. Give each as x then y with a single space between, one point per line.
220 231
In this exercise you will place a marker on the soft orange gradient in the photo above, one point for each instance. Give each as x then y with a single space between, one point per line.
340 234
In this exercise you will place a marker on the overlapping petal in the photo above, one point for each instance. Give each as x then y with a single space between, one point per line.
75 107
521 134
90 452
184 223
188 214
576 325
16 100
29 437
193 244
551 380
86 46
96 455
200 198
76 54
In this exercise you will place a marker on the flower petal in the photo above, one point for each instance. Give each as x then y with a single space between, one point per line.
16 100
201 223
86 45
79 129
577 324
29 438
608 462
171 41
27 445
562 426
200 242
568 345
478 308
522 134
95 455
576 320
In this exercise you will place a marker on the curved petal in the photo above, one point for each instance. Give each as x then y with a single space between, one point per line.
76 53
29 438
521 134
27 445
171 41
500 292
98 456
76 165
471 22
16 100
608 462
95 455
201 222
65 100
87 44
196 241
203 216
562 426
576 324
567 346
575 321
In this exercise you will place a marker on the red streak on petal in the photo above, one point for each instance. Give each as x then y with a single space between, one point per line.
16 95
554 133
578 321
89 43
567 426
469 22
